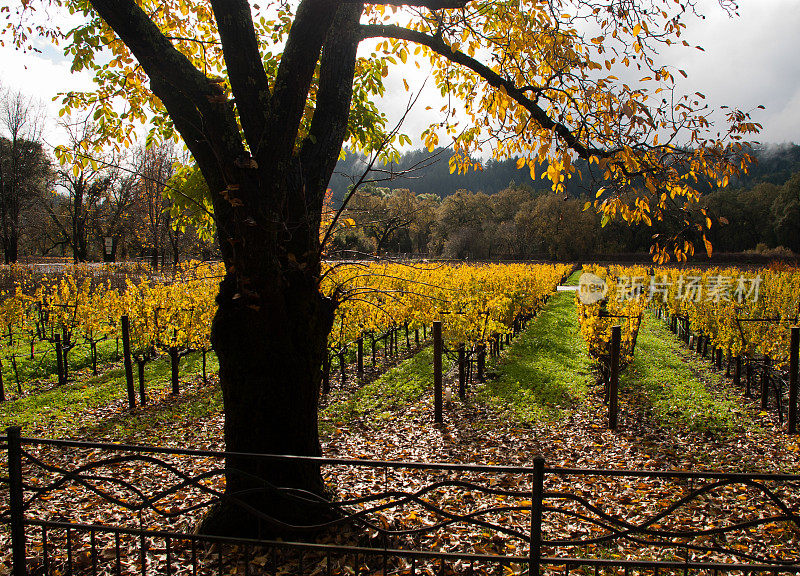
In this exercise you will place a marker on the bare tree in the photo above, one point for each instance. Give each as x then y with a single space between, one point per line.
153 167
113 215
82 183
24 166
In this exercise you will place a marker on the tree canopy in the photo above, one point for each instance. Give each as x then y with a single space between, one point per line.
538 79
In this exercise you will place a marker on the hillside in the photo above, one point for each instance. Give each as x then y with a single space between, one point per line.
428 173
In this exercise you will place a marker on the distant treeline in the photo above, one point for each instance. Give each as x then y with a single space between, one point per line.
426 172
501 213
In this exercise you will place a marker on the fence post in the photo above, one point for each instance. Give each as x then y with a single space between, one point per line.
537 497
794 347
613 386
174 359
462 372
16 501
765 384
360 357
60 360
481 360
737 370
343 373
437 371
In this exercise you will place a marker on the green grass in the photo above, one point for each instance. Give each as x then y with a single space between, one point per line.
674 390
401 385
546 369
31 373
63 410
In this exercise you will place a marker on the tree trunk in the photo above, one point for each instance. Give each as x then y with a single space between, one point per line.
270 373
79 226
271 326
13 243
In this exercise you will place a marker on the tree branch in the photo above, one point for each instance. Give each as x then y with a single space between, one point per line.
293 79
182 88
429 4
321 147
245 68
490 76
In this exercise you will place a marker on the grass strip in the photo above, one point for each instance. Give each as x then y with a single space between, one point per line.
61 411
401 385
677 392
546 368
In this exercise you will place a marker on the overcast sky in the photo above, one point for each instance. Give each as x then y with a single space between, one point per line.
748 61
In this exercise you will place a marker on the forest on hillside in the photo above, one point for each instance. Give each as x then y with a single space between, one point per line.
500 212
426 172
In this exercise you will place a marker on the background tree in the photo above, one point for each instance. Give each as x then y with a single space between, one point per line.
153 166
786 213
81 186
113 214
24 165
461 226
191 212
264 106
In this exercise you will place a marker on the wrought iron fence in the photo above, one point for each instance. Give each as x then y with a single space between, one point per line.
94 508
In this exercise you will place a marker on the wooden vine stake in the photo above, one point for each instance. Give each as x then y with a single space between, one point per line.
613 385
126 353
437 372
794 345
462 372
60 361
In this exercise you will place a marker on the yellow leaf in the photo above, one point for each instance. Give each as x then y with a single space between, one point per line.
708 245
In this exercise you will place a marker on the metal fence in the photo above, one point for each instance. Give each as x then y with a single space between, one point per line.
92 508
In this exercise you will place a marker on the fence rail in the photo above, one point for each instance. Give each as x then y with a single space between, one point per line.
89 508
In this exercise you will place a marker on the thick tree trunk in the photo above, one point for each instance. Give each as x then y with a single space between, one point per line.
270 373
270 335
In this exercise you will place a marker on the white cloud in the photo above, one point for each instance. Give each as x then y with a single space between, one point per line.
748 61
41 76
